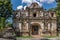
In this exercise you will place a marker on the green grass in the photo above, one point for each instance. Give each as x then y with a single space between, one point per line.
43 37
52 37
24 37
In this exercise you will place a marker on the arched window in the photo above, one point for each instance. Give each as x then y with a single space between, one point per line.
52 14
16 14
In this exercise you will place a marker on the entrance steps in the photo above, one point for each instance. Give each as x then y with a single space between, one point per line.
36 36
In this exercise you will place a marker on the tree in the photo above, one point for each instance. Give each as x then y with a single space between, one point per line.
58 7
5 8
58 16
5 11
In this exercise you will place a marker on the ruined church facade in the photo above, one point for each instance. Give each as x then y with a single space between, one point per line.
35 21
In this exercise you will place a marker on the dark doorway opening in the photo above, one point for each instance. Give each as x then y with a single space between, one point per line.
34 30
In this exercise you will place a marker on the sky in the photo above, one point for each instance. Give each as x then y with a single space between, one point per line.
46 4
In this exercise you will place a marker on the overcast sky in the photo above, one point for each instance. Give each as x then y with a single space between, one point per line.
46 4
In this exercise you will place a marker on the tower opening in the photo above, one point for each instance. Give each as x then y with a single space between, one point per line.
34 15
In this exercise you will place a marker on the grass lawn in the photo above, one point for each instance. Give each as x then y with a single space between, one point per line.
43 37
24 37
52 37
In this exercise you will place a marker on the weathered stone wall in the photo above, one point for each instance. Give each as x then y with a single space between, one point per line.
35 14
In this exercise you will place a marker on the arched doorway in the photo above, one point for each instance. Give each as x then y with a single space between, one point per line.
35 29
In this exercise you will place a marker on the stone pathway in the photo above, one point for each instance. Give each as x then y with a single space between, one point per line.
38 39
5 39
32 39
36 36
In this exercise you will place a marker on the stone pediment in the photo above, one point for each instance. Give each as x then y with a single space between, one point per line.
34 5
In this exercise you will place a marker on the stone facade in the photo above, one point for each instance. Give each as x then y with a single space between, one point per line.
35 20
